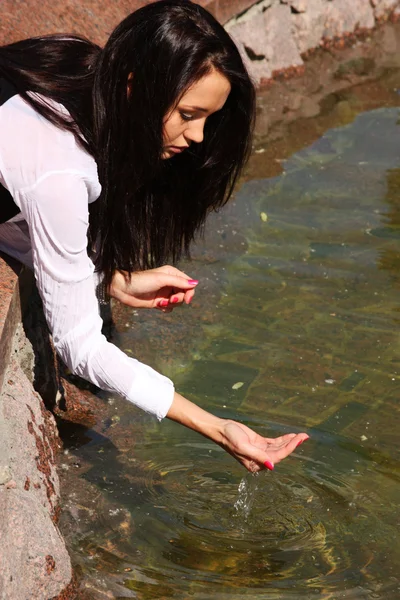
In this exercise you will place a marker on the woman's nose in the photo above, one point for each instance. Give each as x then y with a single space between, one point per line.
195 132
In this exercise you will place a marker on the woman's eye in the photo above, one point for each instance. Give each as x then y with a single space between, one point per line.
186 117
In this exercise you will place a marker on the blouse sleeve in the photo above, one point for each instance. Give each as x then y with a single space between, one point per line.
56 210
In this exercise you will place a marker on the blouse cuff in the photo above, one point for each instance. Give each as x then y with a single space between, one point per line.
152 392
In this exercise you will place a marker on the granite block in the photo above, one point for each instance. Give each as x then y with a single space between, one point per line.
92 18
33 557
10 311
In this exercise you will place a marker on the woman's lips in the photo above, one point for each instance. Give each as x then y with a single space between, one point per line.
177 149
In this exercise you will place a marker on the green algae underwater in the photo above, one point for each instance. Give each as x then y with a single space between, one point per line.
294 327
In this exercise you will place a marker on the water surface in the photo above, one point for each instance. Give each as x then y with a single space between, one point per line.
295 328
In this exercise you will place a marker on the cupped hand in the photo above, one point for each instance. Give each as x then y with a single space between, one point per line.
256 452
163 288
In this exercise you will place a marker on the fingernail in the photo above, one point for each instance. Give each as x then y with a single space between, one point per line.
193 282
298 443
163 303
175 300
269 465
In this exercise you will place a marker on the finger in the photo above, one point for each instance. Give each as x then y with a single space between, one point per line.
176 281
164 306
177 298
189 296
276 451
251 455
283 440
171 302
126 299
163 303
252 466
289 447
172 271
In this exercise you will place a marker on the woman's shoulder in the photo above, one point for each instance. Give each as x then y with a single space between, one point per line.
31 147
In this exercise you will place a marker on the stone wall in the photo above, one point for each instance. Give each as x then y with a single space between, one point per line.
34 560
275 35
272 35
33 557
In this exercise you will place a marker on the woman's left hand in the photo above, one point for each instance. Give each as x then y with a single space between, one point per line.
254 451
163 288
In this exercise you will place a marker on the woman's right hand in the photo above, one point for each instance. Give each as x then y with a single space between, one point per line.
163 288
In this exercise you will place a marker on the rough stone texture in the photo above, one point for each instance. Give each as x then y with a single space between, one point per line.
344 17
10 311
33 558
273 34
93 18
298 6
308 26
250 36
282 51
265 40
278 30
226 9
34 561
77 404
383 7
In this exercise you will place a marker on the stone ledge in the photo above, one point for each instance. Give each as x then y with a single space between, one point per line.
34 559
35 562
15 283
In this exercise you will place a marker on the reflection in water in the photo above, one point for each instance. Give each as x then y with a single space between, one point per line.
390 257
306 320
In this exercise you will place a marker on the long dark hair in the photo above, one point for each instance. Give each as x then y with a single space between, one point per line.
150 209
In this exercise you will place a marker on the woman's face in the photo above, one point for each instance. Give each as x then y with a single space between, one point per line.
185 124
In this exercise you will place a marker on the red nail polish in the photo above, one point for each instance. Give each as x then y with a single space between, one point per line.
193 282
300 442
269 465
174 300
163 303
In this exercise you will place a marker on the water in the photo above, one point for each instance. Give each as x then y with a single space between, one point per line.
303 310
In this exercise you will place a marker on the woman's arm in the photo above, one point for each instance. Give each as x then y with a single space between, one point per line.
252 450
56 210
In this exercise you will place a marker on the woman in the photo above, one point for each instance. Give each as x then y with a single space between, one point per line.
147 135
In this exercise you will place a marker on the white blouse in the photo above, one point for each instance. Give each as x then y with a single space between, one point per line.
52 180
